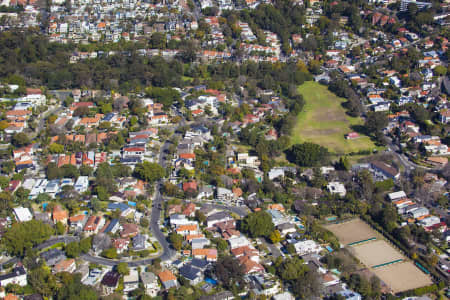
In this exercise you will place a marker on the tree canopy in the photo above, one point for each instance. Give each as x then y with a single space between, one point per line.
149 172
26 235
258 224
307 154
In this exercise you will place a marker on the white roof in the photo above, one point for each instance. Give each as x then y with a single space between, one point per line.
132 277
397 195
23 214
283 296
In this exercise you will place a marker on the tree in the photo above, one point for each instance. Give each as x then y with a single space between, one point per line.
73 289
85 244
176 240
42 281
60 228
440 71
307 154
56 148
257 224
22 194
20 139
22 236
104 177
149 172
81 111
3 125
73 249
291 269
229 271
122 268
86 170
8 167
4 182
308 285
102 193
275 236
144 222
201 218
376 121
110 253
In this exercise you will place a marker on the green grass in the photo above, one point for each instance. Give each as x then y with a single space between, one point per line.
323 121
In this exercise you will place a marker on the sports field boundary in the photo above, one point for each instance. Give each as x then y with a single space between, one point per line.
362 241
388 263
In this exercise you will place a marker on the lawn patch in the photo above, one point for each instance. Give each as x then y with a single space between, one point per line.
323 121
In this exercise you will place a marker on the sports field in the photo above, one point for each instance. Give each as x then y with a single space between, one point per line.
379 256
323 121
352 231
402 276
376 253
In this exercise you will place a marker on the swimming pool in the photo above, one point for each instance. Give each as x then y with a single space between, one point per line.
211 281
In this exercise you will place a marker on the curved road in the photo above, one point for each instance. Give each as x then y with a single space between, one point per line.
167 251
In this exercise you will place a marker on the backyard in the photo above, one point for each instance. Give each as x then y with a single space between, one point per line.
323 121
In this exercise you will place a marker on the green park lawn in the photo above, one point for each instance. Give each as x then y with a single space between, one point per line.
323 121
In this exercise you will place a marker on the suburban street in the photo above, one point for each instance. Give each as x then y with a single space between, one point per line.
66 239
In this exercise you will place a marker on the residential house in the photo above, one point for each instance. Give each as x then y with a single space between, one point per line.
67 265
120 244
218 217
349 295
444 116
385 170
236 242
110 282
395 196
150 282
22 214
286 228
199 243
82 184
306 247
131 281
53 256
208 254
224 195
93 224
167 279
329 279
188 229
18 276
336 188
189 210
129 230
139 242
60 215
77 222
192 274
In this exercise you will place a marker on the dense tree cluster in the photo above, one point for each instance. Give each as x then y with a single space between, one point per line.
22 237
258 224
342 89
307 154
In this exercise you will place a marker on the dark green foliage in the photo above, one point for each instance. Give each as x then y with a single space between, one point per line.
149 172
73 289
23 236
229 272
307 154
20 139
258 224
166 96
176 240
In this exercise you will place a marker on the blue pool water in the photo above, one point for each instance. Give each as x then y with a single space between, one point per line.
130 203
210 280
